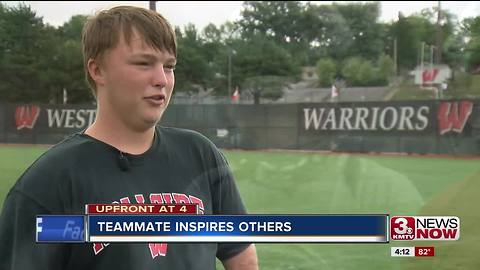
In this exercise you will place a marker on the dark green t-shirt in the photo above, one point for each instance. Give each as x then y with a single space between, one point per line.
180 167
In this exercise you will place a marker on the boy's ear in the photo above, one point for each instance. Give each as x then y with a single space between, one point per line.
95 71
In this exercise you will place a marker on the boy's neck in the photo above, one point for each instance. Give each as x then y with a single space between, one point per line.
120 136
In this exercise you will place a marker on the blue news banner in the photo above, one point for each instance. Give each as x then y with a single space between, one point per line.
212 228
53 228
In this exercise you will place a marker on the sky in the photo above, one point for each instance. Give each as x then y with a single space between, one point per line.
201 13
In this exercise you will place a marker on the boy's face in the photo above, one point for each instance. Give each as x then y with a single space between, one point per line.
137 82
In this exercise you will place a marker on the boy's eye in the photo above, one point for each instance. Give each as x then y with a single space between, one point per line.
170 67
143 63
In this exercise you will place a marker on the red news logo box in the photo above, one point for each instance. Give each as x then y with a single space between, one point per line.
402 228
425 228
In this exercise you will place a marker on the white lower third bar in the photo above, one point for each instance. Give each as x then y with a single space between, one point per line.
272 239
402 252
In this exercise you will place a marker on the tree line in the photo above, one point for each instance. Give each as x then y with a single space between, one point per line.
259 53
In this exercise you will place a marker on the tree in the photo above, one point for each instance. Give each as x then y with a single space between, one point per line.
385 68
266 86
350 70
471 30
193 72
330 33
279 20
69 61
284 22
366 75
26 49
326 71
261 56
367 33
420 27
38 61
310 31
362 72
72 29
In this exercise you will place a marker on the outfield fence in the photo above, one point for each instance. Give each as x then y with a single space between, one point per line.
422 127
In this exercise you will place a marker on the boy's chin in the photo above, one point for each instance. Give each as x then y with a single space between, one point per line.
153 121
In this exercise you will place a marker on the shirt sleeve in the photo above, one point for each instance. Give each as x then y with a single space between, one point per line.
18 247
226 201
226 197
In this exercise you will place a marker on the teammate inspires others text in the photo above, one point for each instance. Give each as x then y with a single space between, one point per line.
220 226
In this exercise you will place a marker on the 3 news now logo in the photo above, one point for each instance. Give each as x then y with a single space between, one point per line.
425 228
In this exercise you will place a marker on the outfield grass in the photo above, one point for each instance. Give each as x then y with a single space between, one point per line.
14 160
314 183
287 183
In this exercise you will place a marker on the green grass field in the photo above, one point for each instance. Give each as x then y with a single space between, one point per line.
313 183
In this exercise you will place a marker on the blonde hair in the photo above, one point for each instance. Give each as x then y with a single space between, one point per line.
102 32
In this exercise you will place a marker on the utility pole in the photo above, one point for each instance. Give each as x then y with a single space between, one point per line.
438 52
153 5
